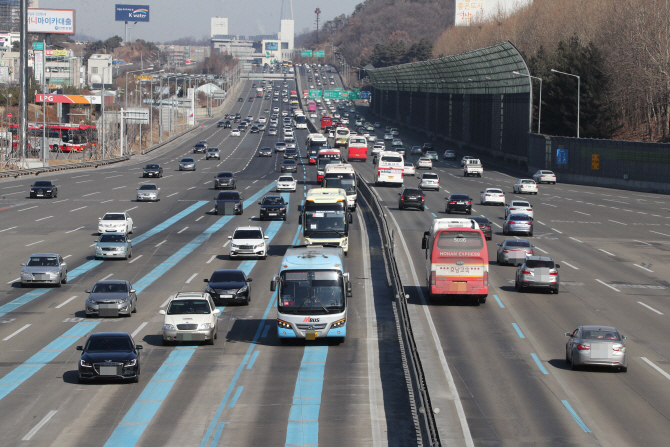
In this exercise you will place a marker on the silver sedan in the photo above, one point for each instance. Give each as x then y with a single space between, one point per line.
44 268
518 223
514 251
597 346
113 245
148 191
111 298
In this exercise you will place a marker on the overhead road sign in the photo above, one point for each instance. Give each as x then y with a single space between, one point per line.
315 94
320 53
306 53
51 21
132 13
38 46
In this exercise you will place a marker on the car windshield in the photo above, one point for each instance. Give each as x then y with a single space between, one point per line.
516 243
152 167
289 162
112 238
228 195
348 184
44 183
521 204
224 174
413 191
248 234
99 344
43 261
187 160
311 292
213 149
285 179
519 217
148 187
547 173
600 334
408 164
273 201
460 240
182 307
114 217
114 287
227 276
527 182
533 264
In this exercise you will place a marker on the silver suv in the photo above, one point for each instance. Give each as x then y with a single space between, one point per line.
537 271
213 152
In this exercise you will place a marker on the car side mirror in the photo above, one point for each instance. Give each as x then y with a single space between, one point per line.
137 189
205 280
558 266
568 334
23 264
230 237
216 311
623 337
266 237
273 285
161 312
133 291
87 291
249 279
300 219
481 192
80 348
349 292
532 246
139 347
498 245
351 218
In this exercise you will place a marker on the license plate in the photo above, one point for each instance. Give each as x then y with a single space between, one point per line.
272 214
226 296
108 370
311 335
460 203
40 194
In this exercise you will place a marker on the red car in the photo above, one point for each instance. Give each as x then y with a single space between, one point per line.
251 99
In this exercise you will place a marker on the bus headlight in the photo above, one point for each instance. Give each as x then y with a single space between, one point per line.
345 242
339 323
283 324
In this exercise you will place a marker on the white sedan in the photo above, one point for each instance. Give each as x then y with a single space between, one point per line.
424 163
449 154
388 136
235 133
492 196
544 177
286 183
524 185
377 148
519 207
409 168
115 223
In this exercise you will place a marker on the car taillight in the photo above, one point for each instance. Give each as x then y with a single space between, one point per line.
512 209
582 347
468 202
511 222
423 198
452 202
402 197
530 253
553 272
529 223
432 278
525 272
505 251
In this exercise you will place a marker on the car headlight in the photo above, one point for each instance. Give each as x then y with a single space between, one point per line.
259 246
263 209
120 248
132 362
205 326
169 327
48 190
54 273
209 290
97 247
283 324
243 289
84 363
233 246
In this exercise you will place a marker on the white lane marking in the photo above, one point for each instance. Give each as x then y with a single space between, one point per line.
137 331
620 223
66 301
541 223
41 424
33 243
84 181
662 234
586 214
72 231
212 210
576 240
643 268
226 244
65 257
559 232
110 200
656 215
182 230
173 194
161 243
29 208
641 212
14 280
112 176
130 209
645 243
48 217
211 259
11 187
119 187
665 374
80 208
90 194
192 187
135 259
248 187
199 218
496 224
108 276
650 308
605 284
80 176
166 302
548 204
254 181
10 193
92 244
188 281
59 201
570 265
607 252
7 229
545 252
16 332
438 346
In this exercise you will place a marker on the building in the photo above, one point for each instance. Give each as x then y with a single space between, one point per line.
218 26
241 49
99 69
10 12
62 68
10 63
7 40
287 36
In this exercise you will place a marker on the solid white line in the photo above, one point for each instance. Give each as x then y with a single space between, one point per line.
665 374
161 243
7 229
650 308
130 209
14 280
570 265
111 274
34 243
199 218
620 223
560 232
66 301
545 252
438 346
72 231
605 284
35 429
13 334
211 259
135 259
586 214
80 208
662 234
86 195
576 240
182 230
611 254
643 268
226 244
174 193
29 208
48 217
65 257
137 331
188 281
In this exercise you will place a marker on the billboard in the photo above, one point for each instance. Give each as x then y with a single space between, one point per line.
51 21
271 46
132 13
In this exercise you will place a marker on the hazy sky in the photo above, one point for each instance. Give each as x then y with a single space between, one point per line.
172 19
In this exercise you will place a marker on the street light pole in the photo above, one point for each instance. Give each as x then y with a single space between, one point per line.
539 107
125 101
578 93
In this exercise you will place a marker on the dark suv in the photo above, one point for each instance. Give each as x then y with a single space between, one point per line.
412 198
427 147
459 202
484 225
273 207
225 180
228 202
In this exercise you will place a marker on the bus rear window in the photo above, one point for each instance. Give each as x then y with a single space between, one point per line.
460 240
391 159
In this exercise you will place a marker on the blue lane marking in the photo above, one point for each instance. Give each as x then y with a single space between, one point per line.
236 396
502 306
26 370
265 331
297 235
539 363
518 331
134 423
217 433
579 421
253 358
434 215
77 271
427 208
303 420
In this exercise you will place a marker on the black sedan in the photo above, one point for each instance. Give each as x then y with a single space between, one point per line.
254 129
484 225
291 153
289 166
265 152
240 99
109 355
199 148
459 202
43 188
152 170
229 285
225 124
228 202
273 207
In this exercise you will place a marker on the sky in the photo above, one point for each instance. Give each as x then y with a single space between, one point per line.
172 19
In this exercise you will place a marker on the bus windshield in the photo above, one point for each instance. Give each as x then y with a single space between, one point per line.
311 292
328 220
348 183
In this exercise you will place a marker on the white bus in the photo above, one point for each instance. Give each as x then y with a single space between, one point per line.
390 168
312 292
325 217
343 176
341 136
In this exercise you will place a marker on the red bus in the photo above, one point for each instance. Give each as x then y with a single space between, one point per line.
60 137
326 121
324 157
457 259
357 148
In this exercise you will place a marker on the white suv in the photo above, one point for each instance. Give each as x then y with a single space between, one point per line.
190 316
248 241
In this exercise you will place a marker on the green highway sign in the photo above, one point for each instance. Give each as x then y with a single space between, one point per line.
306 53
332 94
320 53
314 94
38 46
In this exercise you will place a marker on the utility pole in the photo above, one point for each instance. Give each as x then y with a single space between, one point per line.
317 12
23 82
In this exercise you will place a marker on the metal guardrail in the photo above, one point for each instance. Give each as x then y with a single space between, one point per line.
86 164
419 389
170 139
